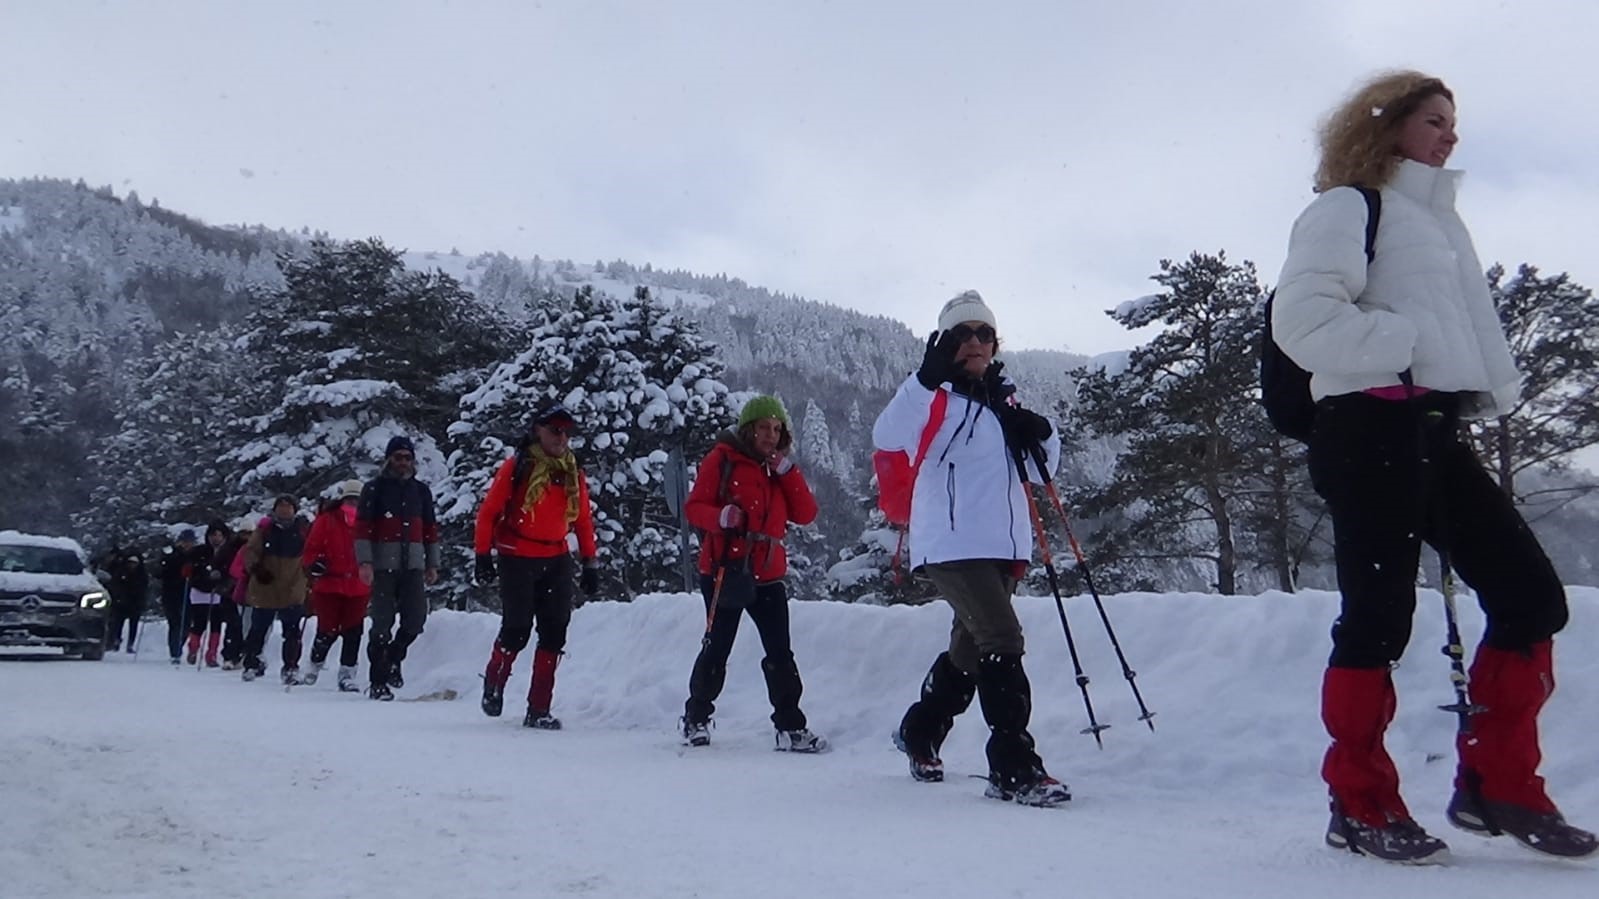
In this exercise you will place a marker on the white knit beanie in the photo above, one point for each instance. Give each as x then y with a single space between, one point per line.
967 307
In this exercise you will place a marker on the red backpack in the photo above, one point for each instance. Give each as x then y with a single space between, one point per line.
896 473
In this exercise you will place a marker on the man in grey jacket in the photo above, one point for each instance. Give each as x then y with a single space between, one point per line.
397 546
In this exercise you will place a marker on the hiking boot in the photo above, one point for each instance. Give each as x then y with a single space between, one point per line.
347 682
312 673
493 698
251 674
1044 792
380 692
696 733
801 740
290 676
541 720
396 680
230 665
927 768
1403 840
1545 832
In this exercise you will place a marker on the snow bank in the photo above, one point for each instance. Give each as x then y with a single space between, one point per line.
1234 682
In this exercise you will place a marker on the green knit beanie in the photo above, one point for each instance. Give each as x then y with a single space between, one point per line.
763 407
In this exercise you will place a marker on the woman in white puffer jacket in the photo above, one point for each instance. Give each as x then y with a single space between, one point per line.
1399 351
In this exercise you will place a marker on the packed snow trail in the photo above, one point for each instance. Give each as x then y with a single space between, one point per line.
127 779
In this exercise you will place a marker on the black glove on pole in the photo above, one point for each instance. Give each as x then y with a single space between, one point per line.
483 570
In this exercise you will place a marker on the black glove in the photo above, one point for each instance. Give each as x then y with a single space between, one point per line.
589 580
938 362
263 574
997 389
483 571
318 568
1025 426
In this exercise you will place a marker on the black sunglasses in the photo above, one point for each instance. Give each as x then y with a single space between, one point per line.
962 333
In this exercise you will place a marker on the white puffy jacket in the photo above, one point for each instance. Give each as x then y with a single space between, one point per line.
1423 304
967 502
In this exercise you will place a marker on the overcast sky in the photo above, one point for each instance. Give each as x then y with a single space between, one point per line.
876 155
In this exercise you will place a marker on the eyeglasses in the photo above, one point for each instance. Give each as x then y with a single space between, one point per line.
963 333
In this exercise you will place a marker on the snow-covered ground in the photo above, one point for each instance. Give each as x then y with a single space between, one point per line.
137 779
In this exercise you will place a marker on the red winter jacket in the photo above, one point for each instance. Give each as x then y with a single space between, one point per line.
770 501
537 533
333 539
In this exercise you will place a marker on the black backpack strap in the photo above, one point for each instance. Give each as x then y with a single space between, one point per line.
1373 213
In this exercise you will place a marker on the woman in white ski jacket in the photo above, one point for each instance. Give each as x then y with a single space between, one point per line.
1399 351
971 534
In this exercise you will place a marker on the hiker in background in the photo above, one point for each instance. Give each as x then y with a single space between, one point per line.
277 588
173 575
970 535
129 584
397 546
235 608
747 492
338 595
538 497
207 583
1399 351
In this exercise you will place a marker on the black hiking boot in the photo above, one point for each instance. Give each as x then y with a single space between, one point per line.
926 767
1545 832
396 680
541 720
493 699
1402 841
380 692
696 733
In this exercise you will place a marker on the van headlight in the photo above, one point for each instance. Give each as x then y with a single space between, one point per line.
95 599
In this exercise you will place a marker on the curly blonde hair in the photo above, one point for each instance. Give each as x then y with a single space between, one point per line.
1359 137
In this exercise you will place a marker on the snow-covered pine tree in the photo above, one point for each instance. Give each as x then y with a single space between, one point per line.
162 463
640 381
353 350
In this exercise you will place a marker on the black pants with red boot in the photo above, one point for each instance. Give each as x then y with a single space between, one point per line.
532 591
1395 474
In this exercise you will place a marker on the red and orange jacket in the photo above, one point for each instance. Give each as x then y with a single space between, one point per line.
770 501
536 533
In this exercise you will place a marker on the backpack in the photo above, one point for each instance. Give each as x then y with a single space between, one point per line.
1284 386
896 472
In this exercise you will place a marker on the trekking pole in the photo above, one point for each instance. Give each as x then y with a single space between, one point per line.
716 588
1453 648
1094 727
1145 715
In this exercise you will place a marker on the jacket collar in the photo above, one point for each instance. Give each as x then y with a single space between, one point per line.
1431 187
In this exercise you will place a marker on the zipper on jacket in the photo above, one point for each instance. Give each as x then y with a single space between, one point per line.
949 486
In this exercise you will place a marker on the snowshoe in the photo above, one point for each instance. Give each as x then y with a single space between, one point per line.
311 674
347 683
1044 792
924 768
493 699
380 692
541 720
696 733
251 674
290 677
176 661
801 740
1402 841
230 665
1545 832
191 659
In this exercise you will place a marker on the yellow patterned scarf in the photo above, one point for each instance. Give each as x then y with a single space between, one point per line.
544 468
